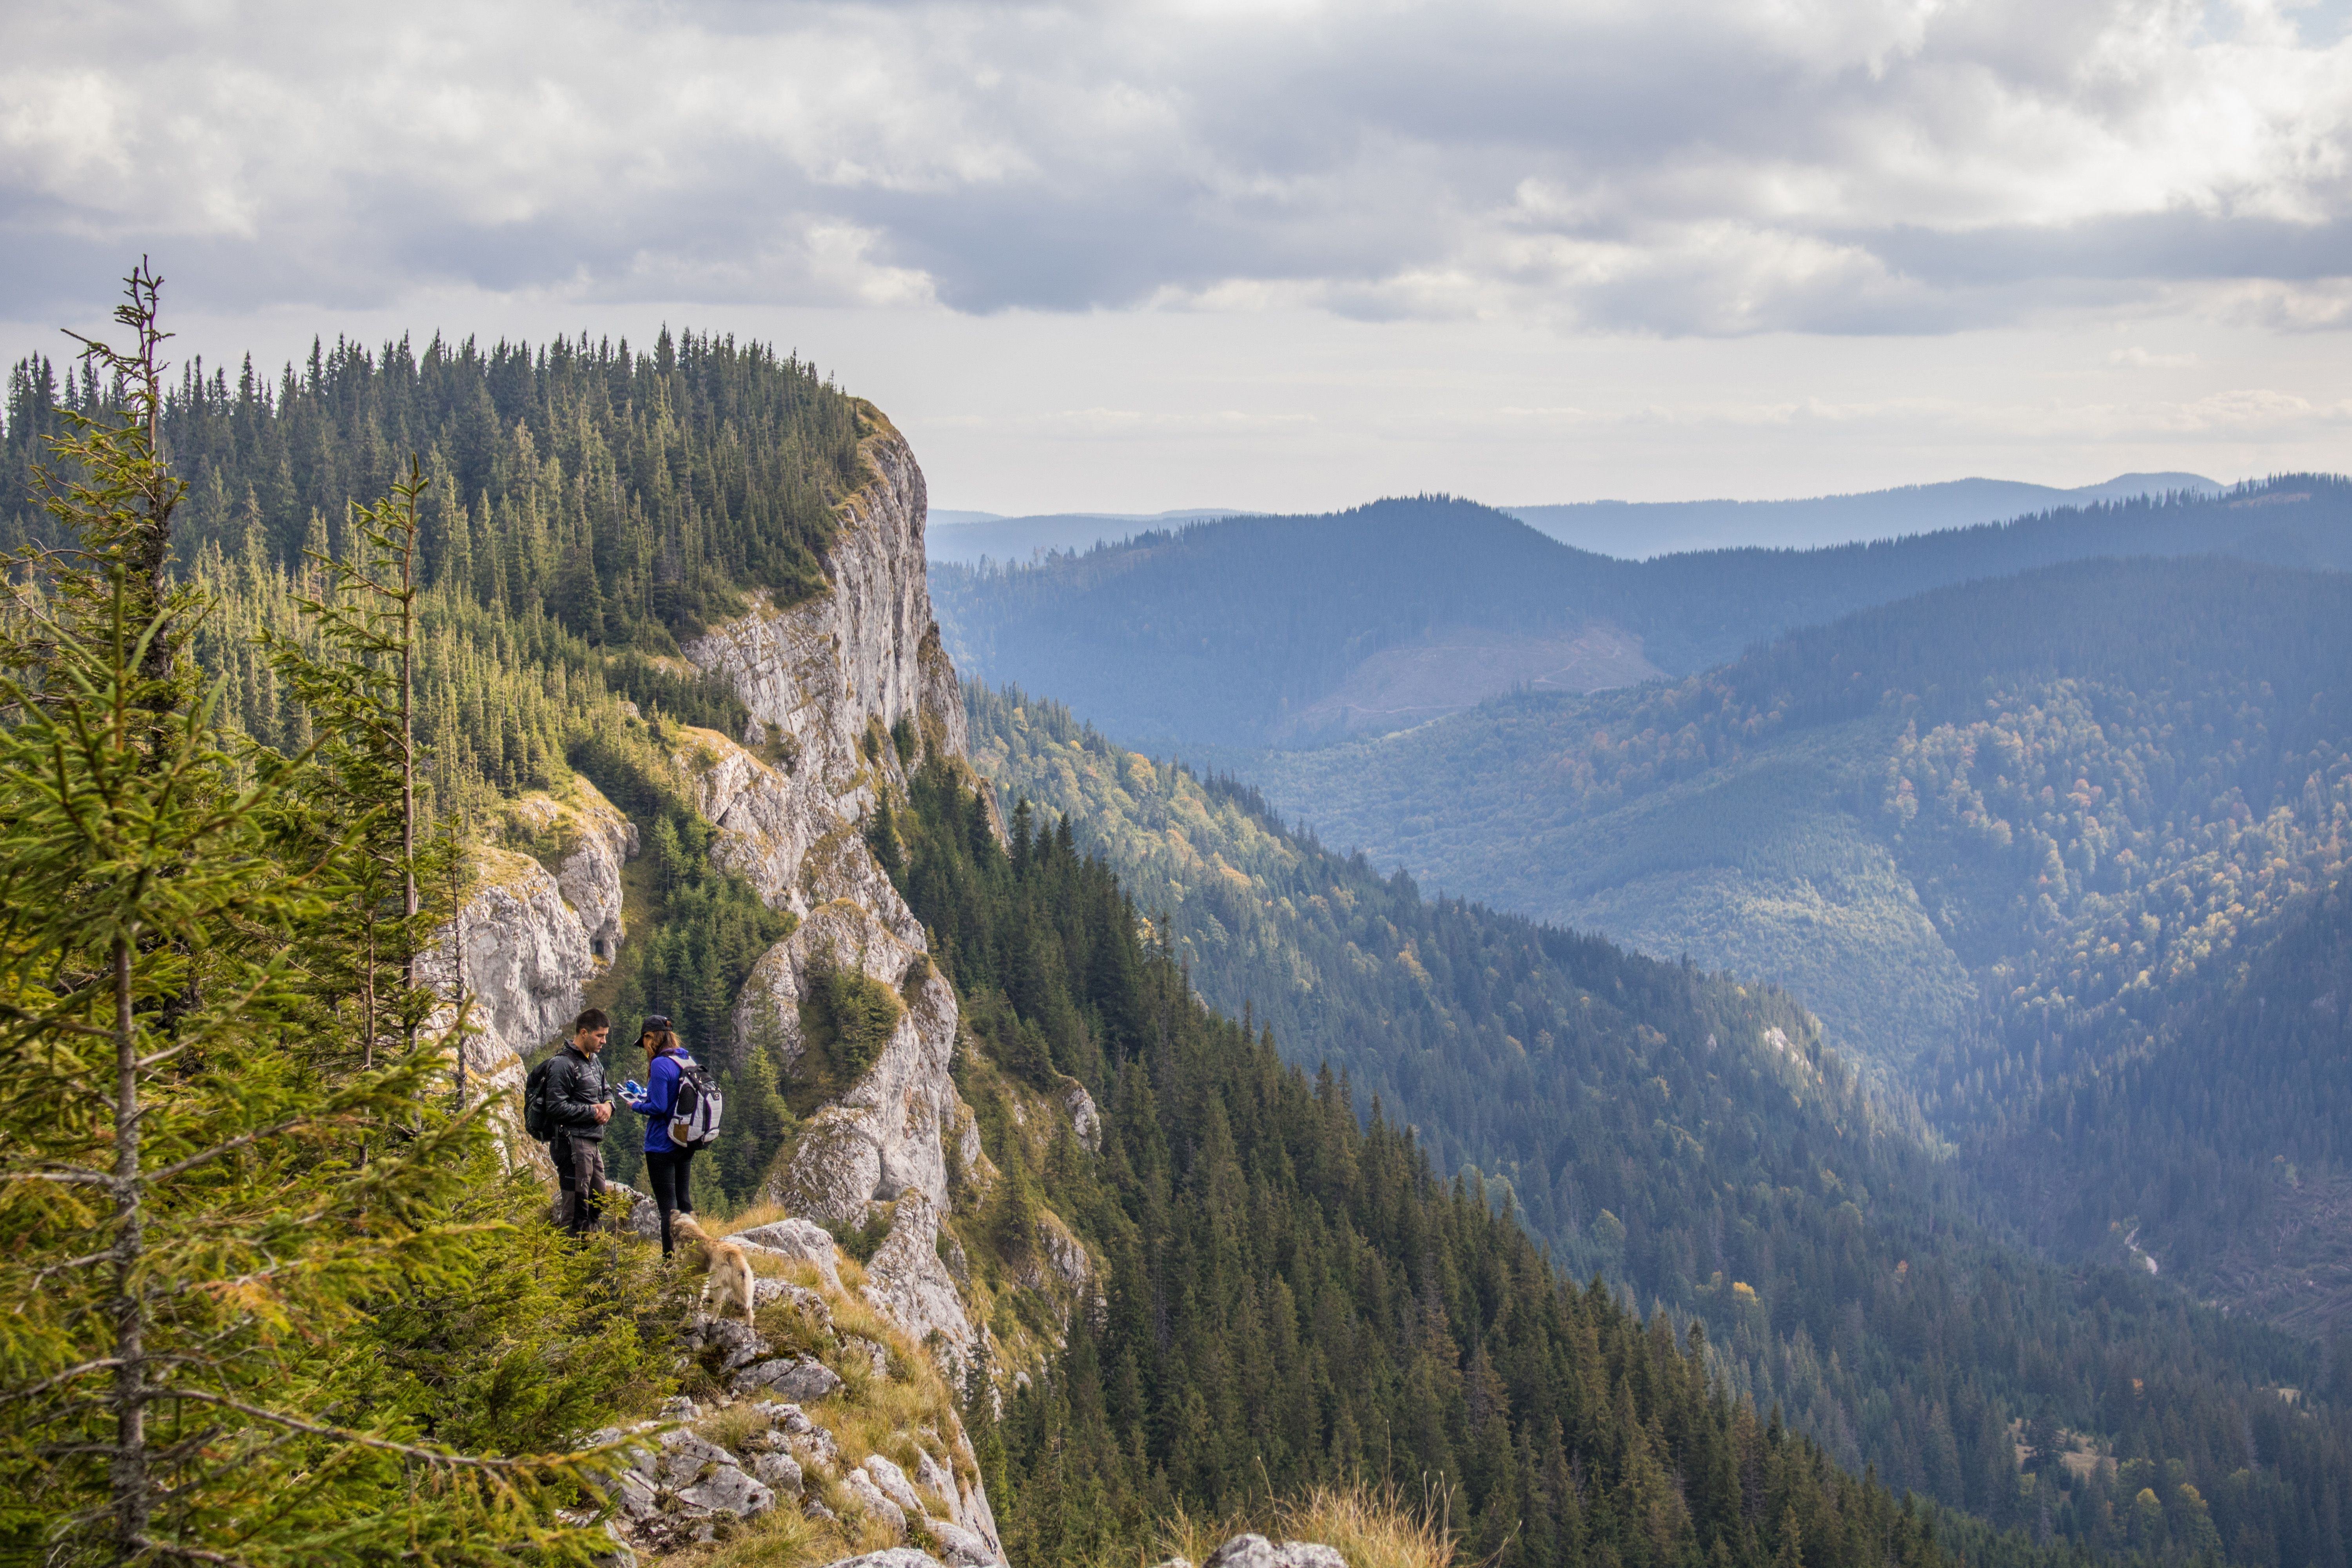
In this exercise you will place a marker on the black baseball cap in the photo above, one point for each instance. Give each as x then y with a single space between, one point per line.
657 1021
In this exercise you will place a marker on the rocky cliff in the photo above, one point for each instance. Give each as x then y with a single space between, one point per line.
848 691
528 939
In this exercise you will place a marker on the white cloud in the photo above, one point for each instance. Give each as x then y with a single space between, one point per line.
1703 168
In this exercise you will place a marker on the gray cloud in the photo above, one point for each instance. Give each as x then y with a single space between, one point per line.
1702 169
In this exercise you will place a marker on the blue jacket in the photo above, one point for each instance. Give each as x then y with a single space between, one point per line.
660 1101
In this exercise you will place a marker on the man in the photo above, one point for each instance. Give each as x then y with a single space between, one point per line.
579 1104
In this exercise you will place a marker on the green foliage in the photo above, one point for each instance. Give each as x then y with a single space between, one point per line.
1645 1124
217 1219
848 1016
696 932
1292 1296
582 508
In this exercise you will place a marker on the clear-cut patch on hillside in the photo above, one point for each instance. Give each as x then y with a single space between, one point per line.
1453 667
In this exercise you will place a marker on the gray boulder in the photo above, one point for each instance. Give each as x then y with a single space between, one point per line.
805 1380
893 1484
1257 1552
799 1297
738 1344
686 1458
781 1473
891 1557
961 1548
872 1501
727 1490
800 1238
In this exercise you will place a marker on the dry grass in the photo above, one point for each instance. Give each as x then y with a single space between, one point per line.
746 1218
1374 1527
732 1428
781 1538
1371 1527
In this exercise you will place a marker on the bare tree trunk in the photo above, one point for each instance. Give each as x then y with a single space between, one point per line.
128 1478
408 715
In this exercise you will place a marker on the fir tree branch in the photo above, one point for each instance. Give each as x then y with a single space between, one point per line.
523 1464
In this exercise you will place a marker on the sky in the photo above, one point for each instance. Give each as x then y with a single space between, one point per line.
1269 254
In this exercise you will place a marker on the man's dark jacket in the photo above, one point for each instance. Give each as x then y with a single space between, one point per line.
574 1088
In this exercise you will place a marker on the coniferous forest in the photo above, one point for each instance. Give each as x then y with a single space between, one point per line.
1294 1296
1647 1123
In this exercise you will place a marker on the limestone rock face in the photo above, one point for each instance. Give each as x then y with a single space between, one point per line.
1085 1121
874 1502
518 953
791 842
907 1283
886 1135
868 649
527 942
847 691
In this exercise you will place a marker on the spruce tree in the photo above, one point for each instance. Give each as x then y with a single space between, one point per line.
201 1205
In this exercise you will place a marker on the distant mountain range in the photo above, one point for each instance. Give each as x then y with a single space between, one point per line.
1630 530
971 537
1635 531
1287 631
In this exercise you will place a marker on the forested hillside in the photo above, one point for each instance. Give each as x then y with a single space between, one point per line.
584 505
1642 1119
1279 631
1294 1299
2001 836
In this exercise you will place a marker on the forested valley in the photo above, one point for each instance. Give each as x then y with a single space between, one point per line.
2007 838
1691 1137
1296 1296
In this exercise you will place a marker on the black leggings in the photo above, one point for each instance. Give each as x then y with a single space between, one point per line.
665 1172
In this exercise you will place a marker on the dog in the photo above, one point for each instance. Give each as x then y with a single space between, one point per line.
728 1286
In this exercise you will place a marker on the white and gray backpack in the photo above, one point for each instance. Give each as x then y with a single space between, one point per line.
694 1114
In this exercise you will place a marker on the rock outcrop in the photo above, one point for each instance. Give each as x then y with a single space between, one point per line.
794 844
526 941
886 1134
814 674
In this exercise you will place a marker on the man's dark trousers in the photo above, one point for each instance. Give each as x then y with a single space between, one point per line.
580 1167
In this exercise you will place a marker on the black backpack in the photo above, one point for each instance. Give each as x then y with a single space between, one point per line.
536 1121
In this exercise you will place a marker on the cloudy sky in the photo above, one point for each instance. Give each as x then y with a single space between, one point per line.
1271 253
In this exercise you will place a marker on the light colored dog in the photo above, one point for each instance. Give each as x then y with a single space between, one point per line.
728 1284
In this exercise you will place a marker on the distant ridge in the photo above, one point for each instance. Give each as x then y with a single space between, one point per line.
970 537
1636 530
1296 631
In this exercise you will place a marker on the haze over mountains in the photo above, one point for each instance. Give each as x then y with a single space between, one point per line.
971 537
1630 530
1283 631
1636 530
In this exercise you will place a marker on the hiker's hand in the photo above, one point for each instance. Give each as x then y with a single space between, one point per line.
603 1113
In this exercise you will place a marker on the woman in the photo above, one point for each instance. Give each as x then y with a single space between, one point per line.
666 1161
